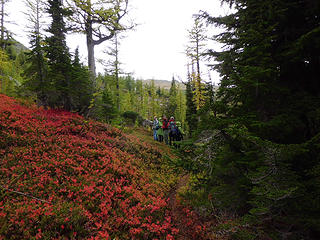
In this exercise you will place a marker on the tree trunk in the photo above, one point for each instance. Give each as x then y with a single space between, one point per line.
90 46
117 73
2 41
2 24
198 64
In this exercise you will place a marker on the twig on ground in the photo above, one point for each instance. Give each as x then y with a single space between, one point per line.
24 194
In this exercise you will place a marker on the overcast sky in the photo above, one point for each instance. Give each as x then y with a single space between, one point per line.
155 49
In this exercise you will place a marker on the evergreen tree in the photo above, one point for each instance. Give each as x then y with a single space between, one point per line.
126 102
154 103
108 106
172 100
6 39
10 75
127 86
2 21
36 69
265 145
81 88
140 98
181 105
191 109
59 58
4 68
146 111
195 51
115 66
159 94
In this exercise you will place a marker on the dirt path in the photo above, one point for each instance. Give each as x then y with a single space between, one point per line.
185 220
174 192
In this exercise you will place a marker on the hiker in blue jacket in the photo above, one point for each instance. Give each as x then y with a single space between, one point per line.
155 127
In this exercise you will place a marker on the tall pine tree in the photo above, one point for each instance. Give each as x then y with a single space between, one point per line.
36 67
81 87
3 30
264 159
191 111
172 100
195 52
59 58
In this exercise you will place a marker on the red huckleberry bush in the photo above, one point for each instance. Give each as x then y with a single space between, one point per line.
64 177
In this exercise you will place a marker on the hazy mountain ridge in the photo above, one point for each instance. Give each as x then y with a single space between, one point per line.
166 84
19 46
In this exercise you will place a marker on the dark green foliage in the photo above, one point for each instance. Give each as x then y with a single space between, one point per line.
129 83
69 81
159 94
262 160
172 100
59 58
10 50
36 71
51 75
191 112
81 87
142 97
108 107
130 116
10 72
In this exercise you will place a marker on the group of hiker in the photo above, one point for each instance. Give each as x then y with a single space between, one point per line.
168 131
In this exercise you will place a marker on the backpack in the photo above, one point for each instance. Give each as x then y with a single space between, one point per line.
179 135
173 128
165 124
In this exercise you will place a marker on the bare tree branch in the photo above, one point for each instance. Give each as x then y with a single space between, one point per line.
24 194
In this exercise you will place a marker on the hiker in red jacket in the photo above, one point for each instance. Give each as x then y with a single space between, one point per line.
165 127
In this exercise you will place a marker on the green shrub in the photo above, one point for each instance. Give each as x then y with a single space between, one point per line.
130 117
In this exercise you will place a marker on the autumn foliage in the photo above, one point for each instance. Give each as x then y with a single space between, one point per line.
62 176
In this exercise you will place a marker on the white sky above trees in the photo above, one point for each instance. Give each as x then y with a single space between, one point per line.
155 49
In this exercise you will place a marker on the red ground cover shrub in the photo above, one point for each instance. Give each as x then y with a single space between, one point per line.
63 177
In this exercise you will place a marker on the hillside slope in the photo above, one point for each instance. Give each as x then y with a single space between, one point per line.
62 176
